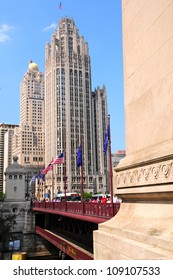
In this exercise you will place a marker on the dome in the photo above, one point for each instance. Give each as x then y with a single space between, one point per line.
15 158
33 66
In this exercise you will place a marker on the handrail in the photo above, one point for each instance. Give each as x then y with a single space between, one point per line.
104 210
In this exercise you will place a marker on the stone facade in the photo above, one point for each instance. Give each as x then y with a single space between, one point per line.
18 203
25 219
145 181
15 185
143 227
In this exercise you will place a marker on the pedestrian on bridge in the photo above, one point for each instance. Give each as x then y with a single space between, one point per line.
104 199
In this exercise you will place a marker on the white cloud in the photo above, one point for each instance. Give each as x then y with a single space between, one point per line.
4 29
51 26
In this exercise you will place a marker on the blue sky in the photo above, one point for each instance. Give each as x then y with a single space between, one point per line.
26 26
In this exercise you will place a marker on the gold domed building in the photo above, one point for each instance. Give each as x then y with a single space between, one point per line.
28 139
33 65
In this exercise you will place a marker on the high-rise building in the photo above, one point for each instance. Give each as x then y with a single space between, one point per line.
6 132
28 139
100 116
68 105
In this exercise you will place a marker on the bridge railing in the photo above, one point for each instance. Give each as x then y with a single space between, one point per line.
106 210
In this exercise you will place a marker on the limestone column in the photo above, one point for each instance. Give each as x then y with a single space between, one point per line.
143 228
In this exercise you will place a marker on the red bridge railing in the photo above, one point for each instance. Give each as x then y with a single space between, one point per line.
107 210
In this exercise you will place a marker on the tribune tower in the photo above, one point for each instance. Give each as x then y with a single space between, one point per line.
68 107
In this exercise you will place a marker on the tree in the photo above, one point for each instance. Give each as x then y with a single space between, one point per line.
87 196
7 224
2 196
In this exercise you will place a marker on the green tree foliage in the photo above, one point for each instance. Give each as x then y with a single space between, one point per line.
87 195
7 224
2 196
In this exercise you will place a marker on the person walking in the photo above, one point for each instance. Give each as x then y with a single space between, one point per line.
104 199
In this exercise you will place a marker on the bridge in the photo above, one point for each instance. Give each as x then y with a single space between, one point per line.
69 225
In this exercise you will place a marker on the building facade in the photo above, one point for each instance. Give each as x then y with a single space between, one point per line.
116 157
68 105
28 139
6 133
99 116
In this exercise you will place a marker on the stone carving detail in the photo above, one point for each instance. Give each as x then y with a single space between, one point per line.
155 171
147 175
14 209
138 175
124 178
131 176
166 170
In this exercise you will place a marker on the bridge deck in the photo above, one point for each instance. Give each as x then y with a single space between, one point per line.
92 212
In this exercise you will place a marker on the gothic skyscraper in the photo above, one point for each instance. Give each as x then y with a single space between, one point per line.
99 118
68 106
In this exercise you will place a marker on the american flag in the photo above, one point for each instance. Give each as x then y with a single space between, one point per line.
59 159
48 168
44 172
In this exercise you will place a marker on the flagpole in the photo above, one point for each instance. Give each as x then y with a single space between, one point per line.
65 181
110 161
80 165
38 188
82 189
43 182
52 183
82 185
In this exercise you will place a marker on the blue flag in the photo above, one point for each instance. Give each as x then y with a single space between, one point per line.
38 178
106 141
43 177
79 156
